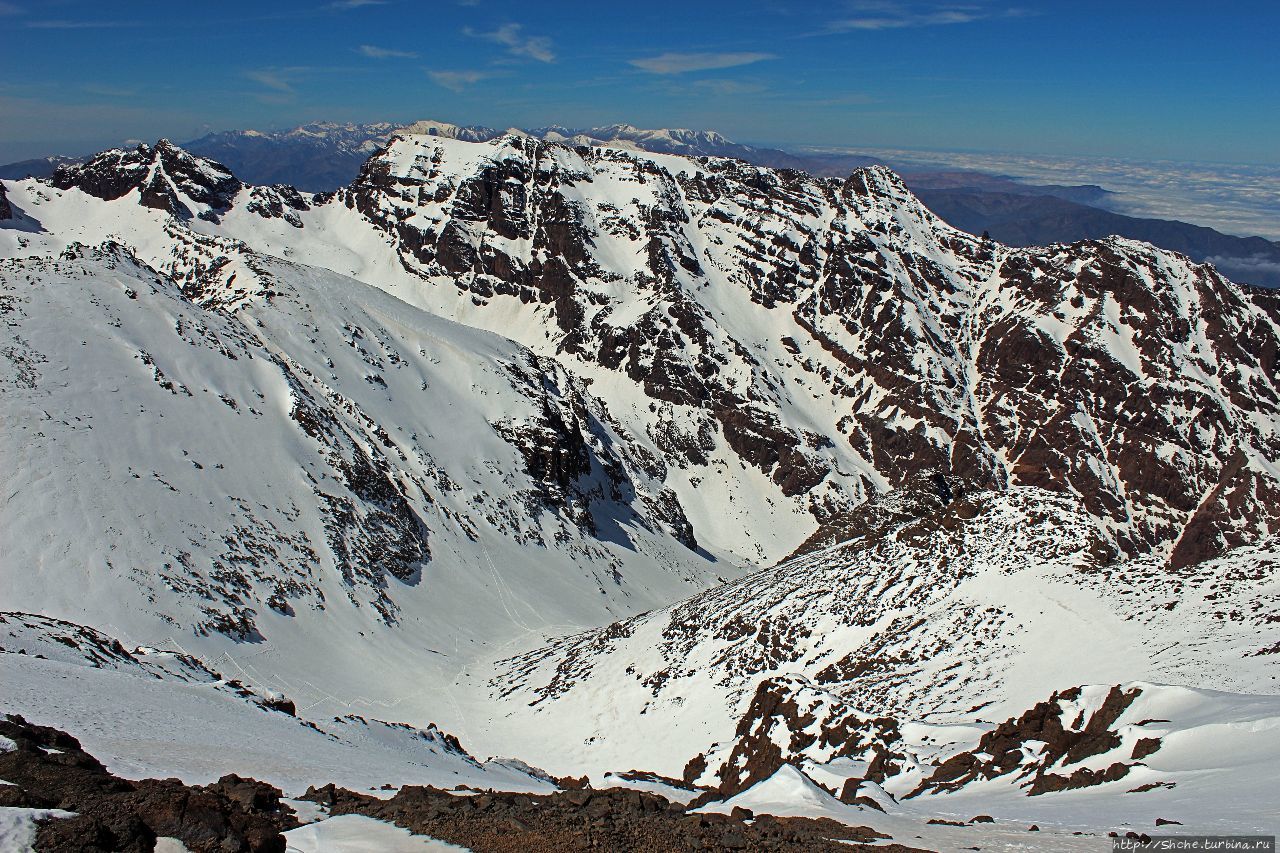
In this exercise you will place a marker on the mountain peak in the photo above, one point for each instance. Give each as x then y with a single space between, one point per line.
166 177
427 127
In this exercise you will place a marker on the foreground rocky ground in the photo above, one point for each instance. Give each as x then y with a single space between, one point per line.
49 769
615 819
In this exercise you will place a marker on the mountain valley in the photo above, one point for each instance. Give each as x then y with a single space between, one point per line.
523 458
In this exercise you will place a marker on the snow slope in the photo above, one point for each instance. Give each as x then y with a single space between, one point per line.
358 834
989 602
346 496
149 714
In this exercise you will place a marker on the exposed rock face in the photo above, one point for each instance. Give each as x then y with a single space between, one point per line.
811 724
831 335
278 202
1061 731
48 768
161 174
6 210
583 460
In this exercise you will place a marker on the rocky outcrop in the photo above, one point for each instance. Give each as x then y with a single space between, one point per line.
1041 744
48 769
788 722
278 202
584 819
165 176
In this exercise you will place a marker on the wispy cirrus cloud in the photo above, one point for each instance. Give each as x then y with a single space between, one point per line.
374 52
512 37
275 79
457 81
279 83
871 15
354 4
681 63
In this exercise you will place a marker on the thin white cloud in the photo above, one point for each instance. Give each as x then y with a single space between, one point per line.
10 8
278 79
680 63
457 81
374 52
1245 266
872 15
355 4
517 43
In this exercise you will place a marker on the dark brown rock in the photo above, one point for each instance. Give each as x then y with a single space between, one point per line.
233 815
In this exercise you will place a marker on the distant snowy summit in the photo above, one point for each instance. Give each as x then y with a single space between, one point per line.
325 155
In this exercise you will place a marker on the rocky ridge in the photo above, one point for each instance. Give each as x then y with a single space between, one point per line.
832 335
942 602
925 348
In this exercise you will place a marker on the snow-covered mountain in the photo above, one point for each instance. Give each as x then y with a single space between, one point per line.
326 155
242 477
689 143
515 436
786 346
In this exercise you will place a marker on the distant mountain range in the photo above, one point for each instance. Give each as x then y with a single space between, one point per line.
38 167
325 156
1022 215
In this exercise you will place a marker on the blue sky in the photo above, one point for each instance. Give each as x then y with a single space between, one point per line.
1173 80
